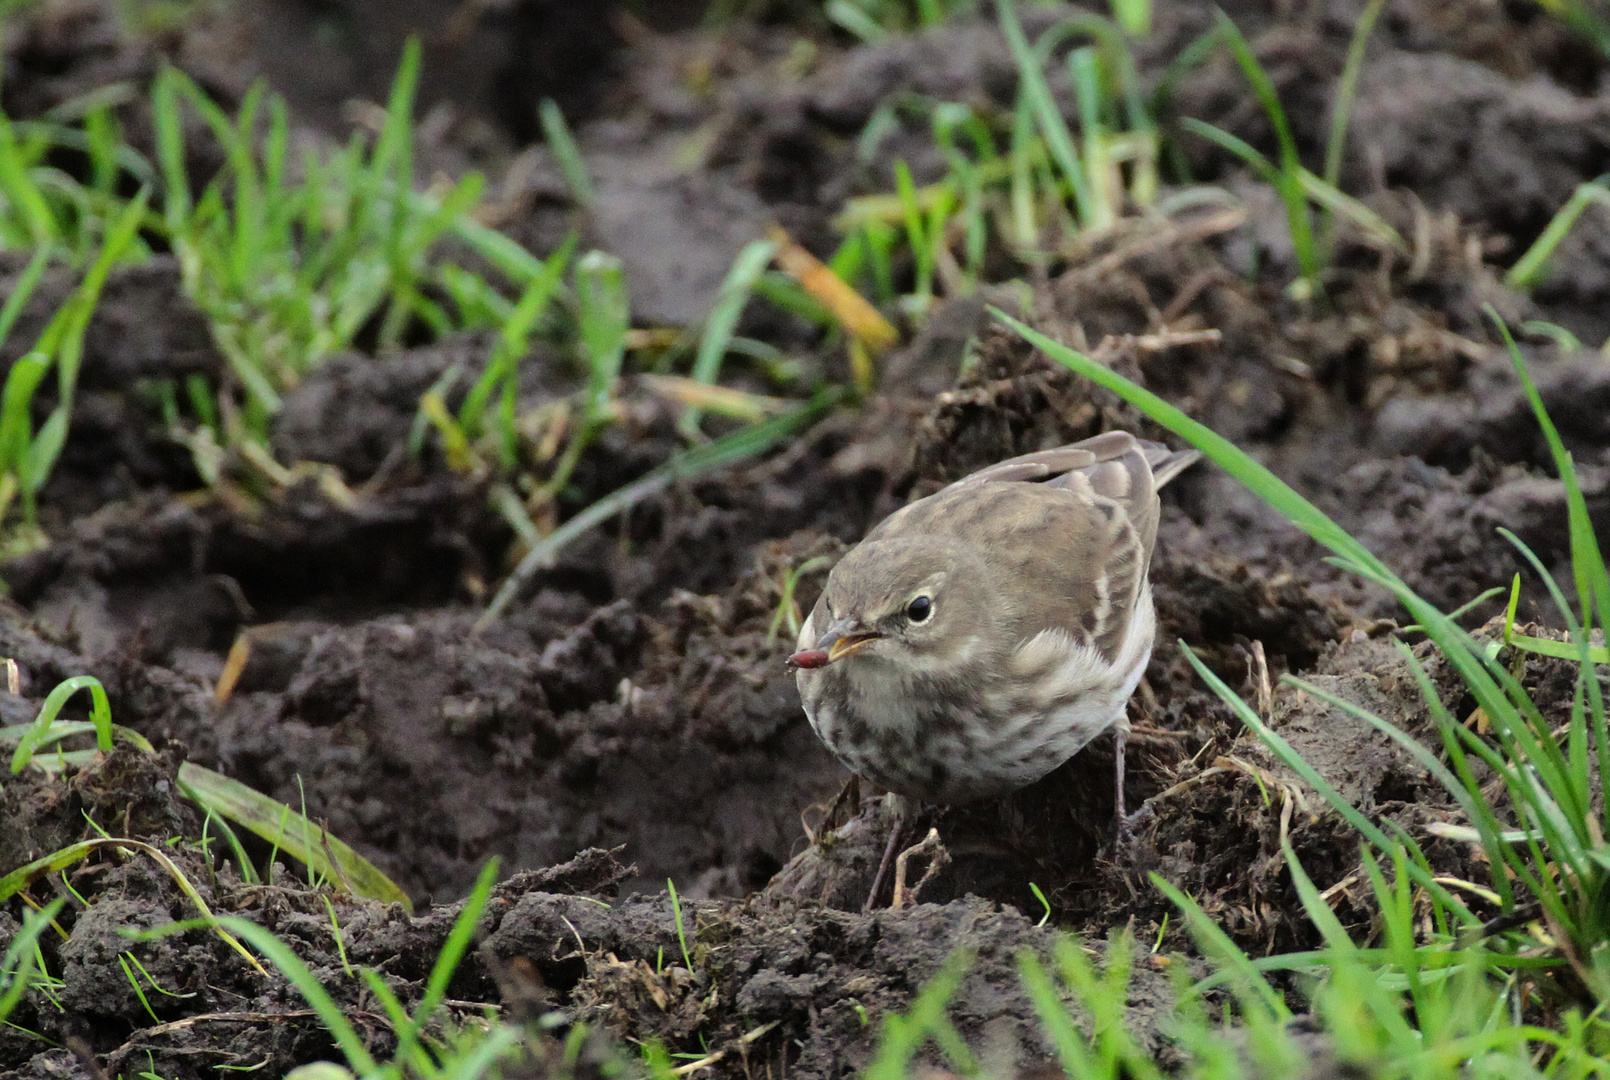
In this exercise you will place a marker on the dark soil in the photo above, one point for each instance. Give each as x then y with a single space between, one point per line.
630 720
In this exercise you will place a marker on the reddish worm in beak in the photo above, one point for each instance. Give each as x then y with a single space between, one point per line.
841 639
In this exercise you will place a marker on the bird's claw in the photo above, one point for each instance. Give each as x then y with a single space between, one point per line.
1124 826
938 859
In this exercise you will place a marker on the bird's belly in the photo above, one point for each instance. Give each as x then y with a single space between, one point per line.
953 753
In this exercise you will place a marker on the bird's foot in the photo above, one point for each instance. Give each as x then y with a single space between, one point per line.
938 859
1124 824
906 815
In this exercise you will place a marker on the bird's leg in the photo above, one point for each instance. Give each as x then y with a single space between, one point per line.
903 813
1121 821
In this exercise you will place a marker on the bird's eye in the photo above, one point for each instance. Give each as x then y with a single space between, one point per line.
919 609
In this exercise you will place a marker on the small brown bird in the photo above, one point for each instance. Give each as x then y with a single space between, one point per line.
978 638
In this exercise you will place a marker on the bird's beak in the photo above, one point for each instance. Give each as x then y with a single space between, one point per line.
840 640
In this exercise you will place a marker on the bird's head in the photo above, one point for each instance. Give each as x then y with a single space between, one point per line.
917 602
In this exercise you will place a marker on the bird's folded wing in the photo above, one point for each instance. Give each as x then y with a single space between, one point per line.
1067 557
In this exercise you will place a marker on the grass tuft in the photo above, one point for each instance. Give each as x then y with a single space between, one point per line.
418 1052
21 965
328 859
291 260
39 732
27 454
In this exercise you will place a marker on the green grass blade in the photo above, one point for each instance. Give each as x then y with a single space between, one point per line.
457 943
566 153
1085 73
1561 650
324 855
22 191
392 165
514 261
1332 200
408 1053
246 244
514 341
394 150
1106 996
605 315
1346 88
1576 763
1134 16
853 19
1235 145
276 152
27 281
168 122
1065 1035
40 457
1529 268
904 1035
1475 804
480 1060
1340 946
736 289
1025 228
65 336
22 381
916 234
1288 181
681 930
1587 559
